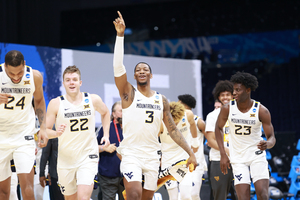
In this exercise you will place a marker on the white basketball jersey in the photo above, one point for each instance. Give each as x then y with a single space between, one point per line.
78 142
245 133
17 117
141 124
171 151
211 119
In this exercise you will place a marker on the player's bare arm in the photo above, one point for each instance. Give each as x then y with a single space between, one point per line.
40 107
105 117
265 118
221 121
175 134
201 125
52 111
193 127
126 90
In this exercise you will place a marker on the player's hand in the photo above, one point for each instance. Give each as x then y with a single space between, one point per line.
110 148
106 141
119 25
4 98
43 138
43 181
262 145
192 161
61 129
224 164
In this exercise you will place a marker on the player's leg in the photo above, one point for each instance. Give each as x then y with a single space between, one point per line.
185 187
172 188
5 175
5 189
260 177
150 169
24 157
26 184
85 178
67 182
196 183
241 180
131 169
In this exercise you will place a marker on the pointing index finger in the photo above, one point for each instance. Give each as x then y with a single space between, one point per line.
120 15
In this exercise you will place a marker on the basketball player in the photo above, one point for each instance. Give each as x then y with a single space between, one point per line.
19 84
220 183
247 148
74 118
189 103
172 153
143 111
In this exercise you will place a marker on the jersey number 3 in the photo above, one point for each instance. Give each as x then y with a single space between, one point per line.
150 116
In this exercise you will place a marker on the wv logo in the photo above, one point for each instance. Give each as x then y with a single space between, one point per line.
239 177
168 182
62 188
129 175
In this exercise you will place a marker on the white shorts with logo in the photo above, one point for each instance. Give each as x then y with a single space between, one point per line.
23 157
69 178
256 169
134 168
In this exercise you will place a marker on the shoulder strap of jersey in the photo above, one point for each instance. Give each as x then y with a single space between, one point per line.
27 68
232 102
62 98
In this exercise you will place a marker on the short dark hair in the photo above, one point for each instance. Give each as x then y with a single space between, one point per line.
246 79
14 58
143 63
188 100
222 86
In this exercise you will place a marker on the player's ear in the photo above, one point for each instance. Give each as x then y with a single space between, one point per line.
80 82
151 76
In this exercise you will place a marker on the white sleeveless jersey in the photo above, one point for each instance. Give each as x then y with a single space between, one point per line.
78 143
245 133
200 153
141 124
17 117
211 119
171 151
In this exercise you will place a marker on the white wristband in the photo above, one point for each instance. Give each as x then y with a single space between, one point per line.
119 68
195 142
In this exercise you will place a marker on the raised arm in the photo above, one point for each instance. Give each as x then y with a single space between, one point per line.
105 117
265 118
125 88
40 107
221 121
175 134
52 111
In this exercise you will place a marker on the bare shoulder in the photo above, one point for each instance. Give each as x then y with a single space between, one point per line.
95 98
165 103
263 113
53 105
37 77
189 113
